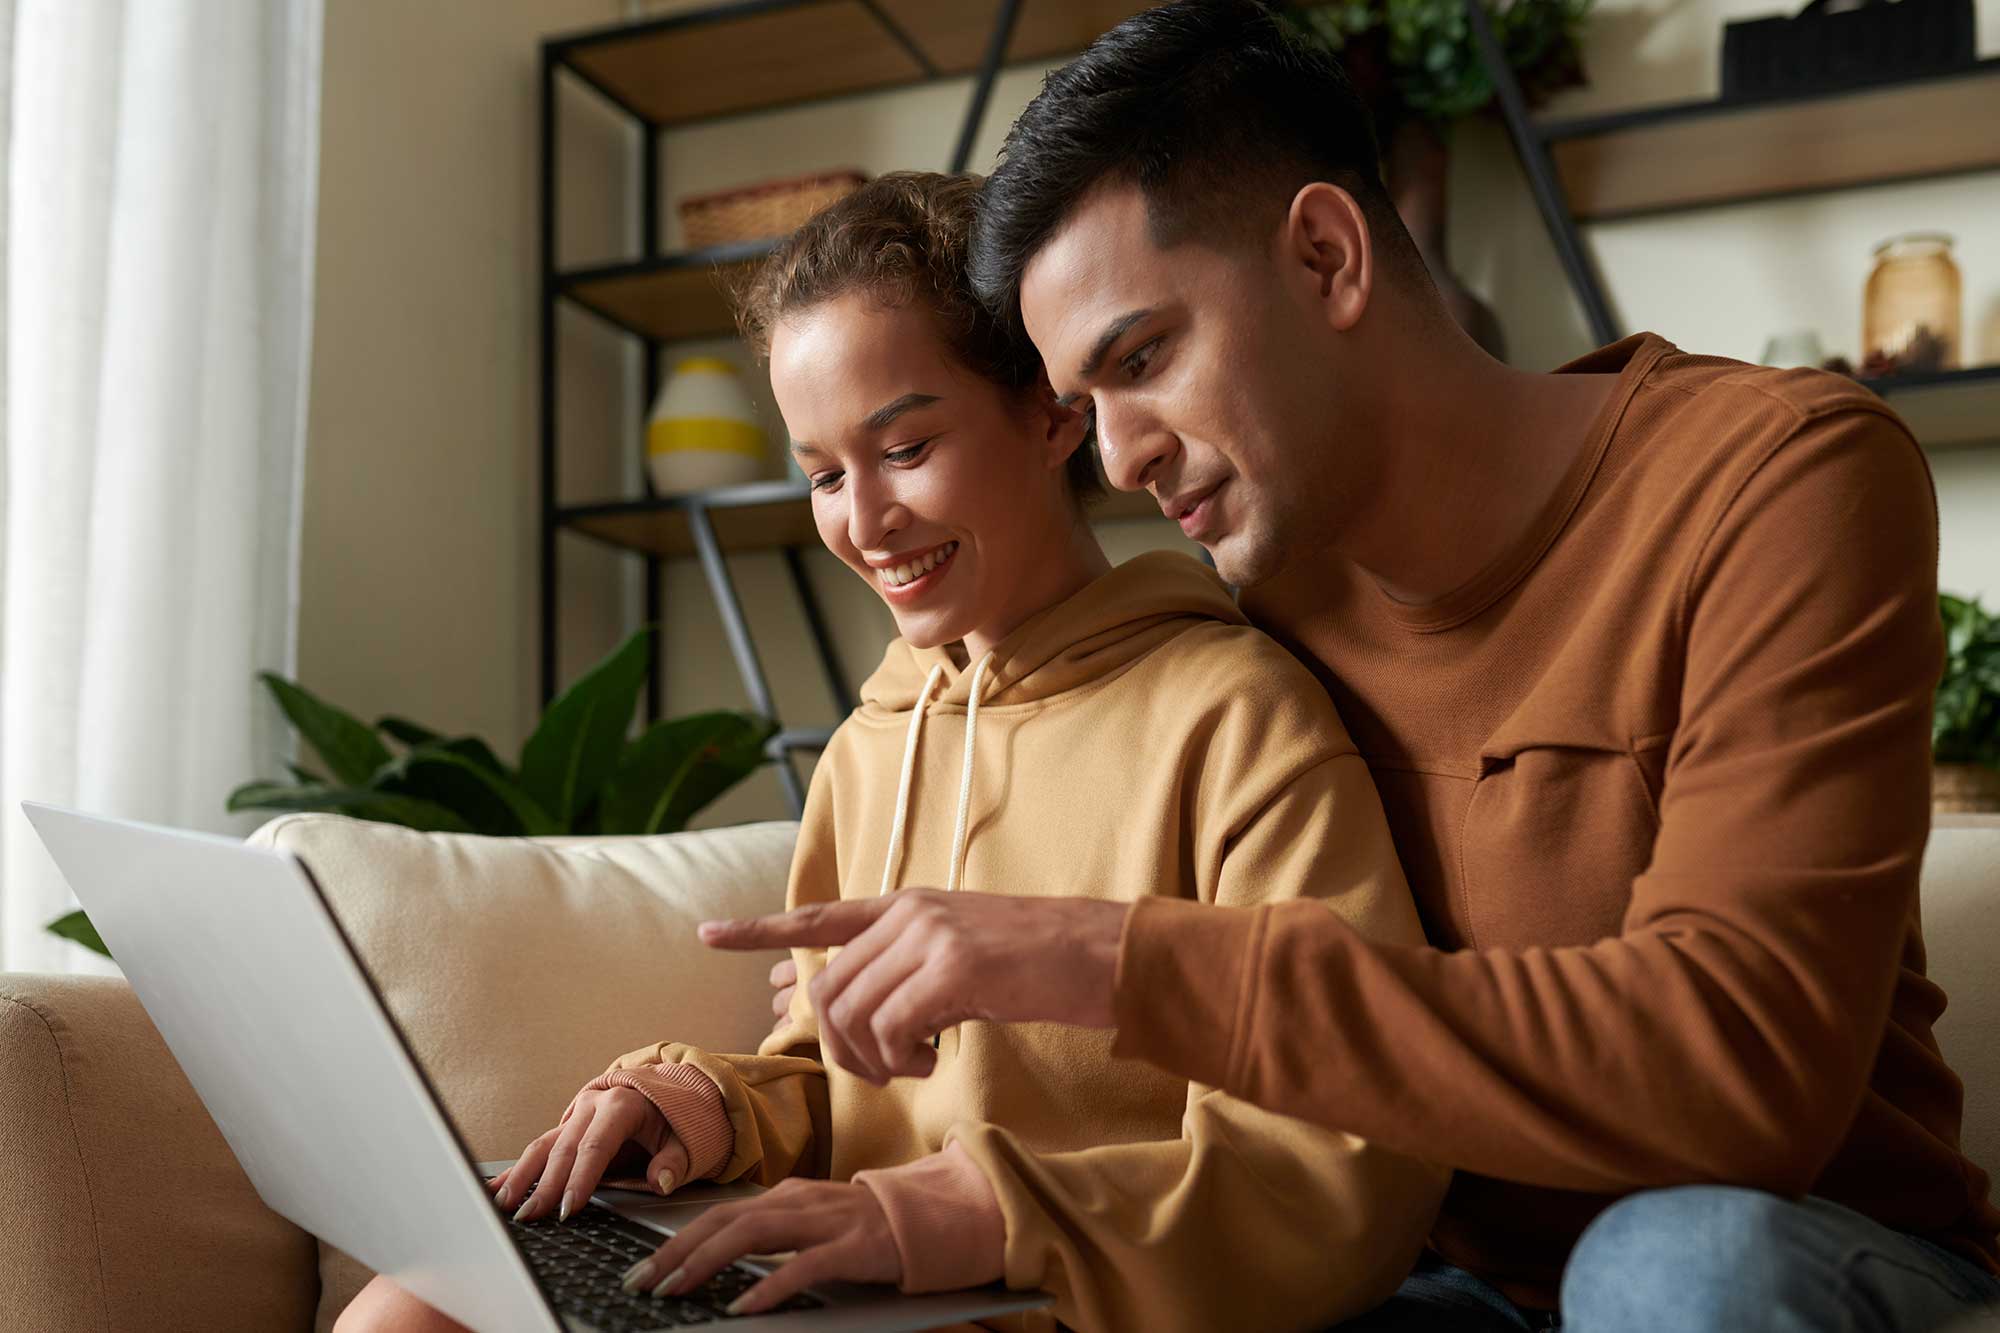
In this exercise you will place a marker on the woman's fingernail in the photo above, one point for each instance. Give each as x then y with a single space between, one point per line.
524 1207
735 1307
670 1281
569 1198
638 1275
666 1182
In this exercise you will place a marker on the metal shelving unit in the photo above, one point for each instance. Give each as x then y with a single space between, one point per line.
728 59
1688 155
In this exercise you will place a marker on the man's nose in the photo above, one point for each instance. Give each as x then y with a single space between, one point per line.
1133 446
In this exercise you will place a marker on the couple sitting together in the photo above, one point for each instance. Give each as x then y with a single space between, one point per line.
1182 1040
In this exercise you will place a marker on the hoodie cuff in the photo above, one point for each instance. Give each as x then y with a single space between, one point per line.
1183 985
692 1104
946 1220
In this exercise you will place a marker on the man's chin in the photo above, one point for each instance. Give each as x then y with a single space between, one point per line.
1242 561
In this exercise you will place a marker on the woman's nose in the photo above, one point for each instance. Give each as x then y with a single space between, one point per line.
873 515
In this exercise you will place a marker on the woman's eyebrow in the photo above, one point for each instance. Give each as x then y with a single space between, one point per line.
882 416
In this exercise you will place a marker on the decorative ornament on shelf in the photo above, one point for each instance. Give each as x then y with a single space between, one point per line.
1911 311
703 432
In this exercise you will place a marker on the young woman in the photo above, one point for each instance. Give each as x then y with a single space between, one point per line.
1043 720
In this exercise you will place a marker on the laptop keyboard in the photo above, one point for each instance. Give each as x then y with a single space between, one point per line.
579 1263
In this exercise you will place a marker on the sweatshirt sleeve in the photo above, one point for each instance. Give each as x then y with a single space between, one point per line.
1728 1031
772 1118
1156 1235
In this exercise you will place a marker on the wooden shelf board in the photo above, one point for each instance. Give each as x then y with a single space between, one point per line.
1706 153
740 57
954 35
676 296
761 517
754 55
1950 410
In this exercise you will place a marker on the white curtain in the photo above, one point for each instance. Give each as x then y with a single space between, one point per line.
161 160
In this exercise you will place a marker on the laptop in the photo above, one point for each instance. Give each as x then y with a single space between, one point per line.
233 951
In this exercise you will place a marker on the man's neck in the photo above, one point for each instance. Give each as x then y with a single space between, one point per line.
1466 473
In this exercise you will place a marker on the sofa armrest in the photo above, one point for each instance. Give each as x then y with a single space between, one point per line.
120 1204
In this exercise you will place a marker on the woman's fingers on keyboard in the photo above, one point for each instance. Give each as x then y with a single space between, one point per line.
668 1170
531 1177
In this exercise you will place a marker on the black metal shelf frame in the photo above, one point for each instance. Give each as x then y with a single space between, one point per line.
557 284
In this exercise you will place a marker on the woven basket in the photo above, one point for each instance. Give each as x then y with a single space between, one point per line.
1964 789
756 212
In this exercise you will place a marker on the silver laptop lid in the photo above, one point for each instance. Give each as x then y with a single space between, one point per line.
252 984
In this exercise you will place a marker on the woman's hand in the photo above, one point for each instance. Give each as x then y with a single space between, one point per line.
784 981
839 1230
560 1169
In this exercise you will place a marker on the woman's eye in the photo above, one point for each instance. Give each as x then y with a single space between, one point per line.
907 454
1140 357
826 481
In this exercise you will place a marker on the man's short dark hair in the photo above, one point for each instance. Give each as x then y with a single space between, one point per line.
1210 107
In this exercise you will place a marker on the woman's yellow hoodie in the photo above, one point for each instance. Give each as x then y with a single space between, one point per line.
1137 738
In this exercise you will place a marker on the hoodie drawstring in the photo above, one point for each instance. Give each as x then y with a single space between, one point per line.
965 779
892 862
889 862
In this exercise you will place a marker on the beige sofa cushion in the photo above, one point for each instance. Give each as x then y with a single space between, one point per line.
115 1185
518 970
1961 905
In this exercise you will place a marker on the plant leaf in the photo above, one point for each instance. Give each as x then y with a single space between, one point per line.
384 807
678 766
463 776
406 731
76 926
305 775
349 748
578 743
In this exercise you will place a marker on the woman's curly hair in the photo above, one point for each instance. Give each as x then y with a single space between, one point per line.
902 239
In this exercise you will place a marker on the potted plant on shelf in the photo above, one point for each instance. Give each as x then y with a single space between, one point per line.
1965 721
1417 67
578 773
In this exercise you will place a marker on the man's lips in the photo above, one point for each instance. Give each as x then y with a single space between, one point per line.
1193 510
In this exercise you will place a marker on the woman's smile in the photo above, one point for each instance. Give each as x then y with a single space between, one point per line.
911 577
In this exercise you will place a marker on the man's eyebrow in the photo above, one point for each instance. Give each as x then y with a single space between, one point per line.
1106 340
888 412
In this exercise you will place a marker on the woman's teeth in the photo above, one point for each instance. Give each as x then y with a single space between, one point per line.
916 569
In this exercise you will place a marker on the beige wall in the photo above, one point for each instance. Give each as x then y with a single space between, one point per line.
419 565
419 578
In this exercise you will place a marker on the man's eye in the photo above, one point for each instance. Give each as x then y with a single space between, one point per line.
826 481
1136 361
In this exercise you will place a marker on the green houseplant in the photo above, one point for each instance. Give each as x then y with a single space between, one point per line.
579 773
1965 721
1417 67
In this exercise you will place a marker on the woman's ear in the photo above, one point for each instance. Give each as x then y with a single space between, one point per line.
1060 428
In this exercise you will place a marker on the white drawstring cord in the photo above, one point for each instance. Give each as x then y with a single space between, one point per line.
891 861
965 779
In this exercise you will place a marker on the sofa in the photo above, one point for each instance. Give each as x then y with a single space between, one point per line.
517 969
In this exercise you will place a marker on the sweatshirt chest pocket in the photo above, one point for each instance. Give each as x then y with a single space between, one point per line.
1552 840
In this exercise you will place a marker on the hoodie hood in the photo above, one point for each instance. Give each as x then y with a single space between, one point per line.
1084 639
1096 632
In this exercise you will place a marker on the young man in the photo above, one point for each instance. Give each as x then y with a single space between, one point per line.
1640 654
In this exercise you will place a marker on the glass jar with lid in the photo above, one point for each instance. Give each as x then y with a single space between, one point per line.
1910 314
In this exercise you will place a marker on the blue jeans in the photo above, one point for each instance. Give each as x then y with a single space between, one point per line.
1712 1257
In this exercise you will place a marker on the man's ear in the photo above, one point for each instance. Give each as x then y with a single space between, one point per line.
1328 243
1061 429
